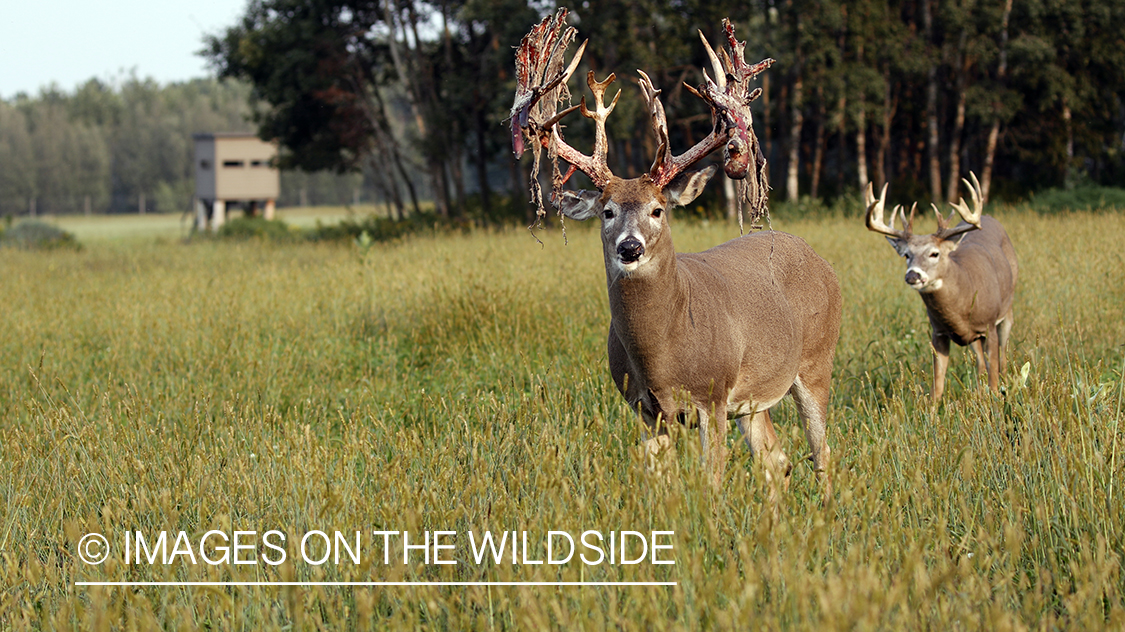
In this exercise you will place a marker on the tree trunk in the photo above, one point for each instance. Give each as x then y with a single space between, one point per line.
818 144
889 107
994 133
766 109
453 144
861 146
482 162
796 120
441 193
931 107
842 106
384 180
861 131
958 122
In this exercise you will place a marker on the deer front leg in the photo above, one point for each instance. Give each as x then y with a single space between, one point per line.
657 445
713 431
940 345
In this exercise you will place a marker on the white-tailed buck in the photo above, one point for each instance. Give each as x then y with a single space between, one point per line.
966 275
710 336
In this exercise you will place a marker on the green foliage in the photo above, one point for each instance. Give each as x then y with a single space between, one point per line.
1081 198
375 228
242 228
34 235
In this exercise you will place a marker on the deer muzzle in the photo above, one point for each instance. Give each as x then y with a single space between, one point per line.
914 278
630 250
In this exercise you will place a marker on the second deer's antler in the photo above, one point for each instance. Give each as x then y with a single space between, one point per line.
875 209
947 229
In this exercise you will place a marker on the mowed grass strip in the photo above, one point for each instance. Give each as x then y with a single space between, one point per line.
460 383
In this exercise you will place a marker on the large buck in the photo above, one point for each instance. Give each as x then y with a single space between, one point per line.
711 336
966 275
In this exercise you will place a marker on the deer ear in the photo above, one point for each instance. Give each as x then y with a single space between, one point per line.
688 185
898 244
580 205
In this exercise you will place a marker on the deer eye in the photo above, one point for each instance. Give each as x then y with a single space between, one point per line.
608 214
658 212
935 254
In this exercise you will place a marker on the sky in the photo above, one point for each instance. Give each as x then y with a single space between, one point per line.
68 42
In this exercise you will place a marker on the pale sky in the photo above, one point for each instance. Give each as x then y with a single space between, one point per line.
68 42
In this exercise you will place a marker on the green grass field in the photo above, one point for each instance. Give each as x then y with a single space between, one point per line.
152 226
459 383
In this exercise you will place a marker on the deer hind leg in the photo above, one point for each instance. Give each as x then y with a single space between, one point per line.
1004 331
757 430
993 343
812 406
982 362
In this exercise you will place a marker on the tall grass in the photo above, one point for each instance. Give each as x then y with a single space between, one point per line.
460 383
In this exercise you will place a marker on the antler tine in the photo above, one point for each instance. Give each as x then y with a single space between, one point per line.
908 226
716 65
940 220
971 217
599 115
875 208
659 123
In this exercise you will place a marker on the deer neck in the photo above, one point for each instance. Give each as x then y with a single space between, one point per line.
650 303
950 301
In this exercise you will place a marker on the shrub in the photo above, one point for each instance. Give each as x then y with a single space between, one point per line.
1082 198
34 235
255 228
376 228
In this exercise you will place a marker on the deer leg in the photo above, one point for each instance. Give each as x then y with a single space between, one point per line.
763 443
982 362
993 358
655 445
1004 331
812 406
940 346
713 431
656 442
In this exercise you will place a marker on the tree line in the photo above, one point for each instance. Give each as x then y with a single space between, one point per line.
411 98
124 146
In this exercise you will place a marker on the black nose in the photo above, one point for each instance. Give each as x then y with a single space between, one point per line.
630 250
913 277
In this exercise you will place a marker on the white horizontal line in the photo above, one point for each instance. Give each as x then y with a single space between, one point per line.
376 583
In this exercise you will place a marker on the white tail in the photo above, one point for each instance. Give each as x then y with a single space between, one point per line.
717 335
966 274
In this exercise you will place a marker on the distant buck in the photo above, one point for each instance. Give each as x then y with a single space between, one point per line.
966 275
710 336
